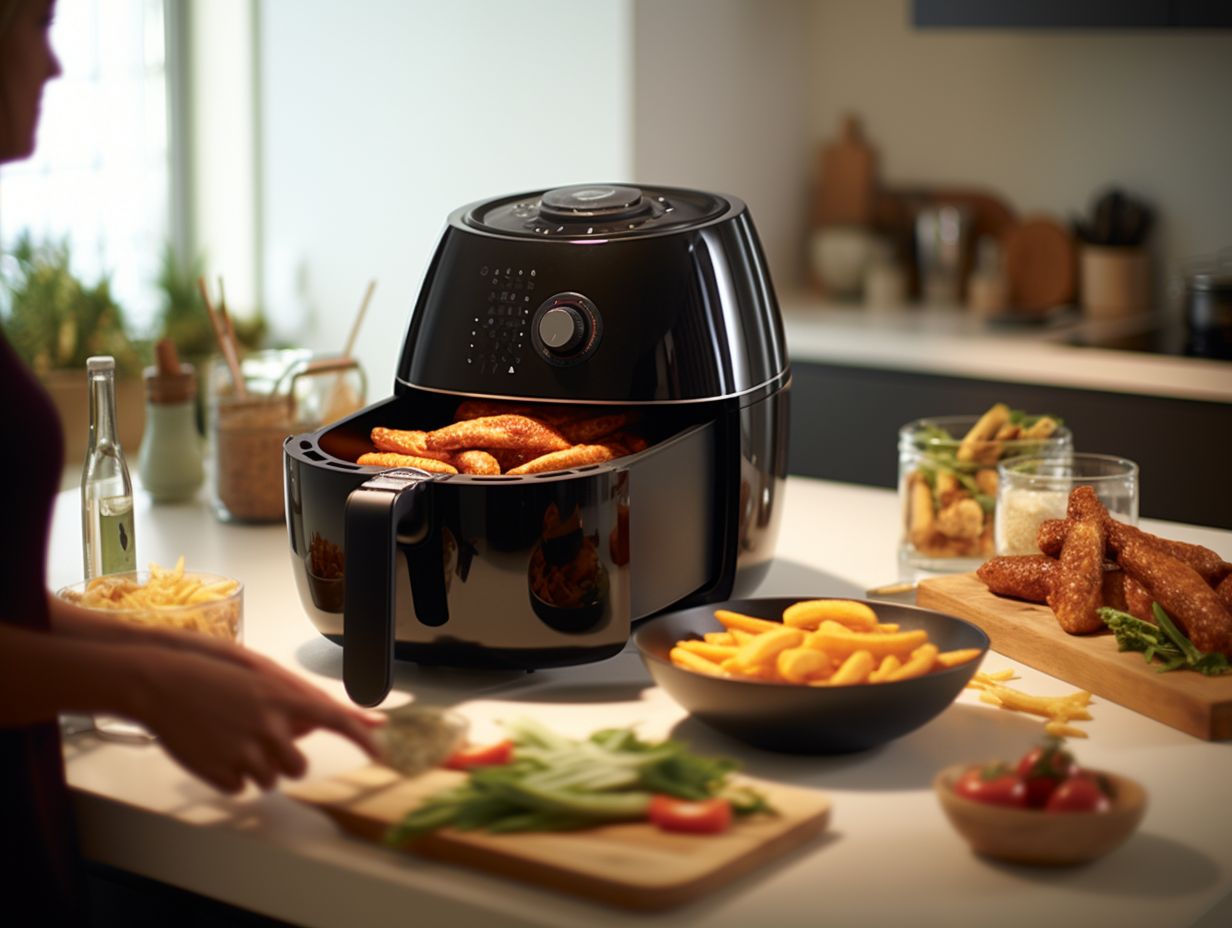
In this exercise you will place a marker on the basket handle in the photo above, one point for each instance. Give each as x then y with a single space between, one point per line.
379 513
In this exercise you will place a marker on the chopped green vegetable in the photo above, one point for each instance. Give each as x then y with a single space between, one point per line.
556 783
1163 642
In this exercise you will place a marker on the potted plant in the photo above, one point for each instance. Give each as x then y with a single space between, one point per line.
54 321
183 317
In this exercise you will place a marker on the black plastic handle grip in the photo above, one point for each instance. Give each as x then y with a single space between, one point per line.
374 511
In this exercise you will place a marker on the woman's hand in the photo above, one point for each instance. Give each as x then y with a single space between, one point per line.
230 717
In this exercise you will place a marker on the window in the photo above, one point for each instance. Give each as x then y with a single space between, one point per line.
100 172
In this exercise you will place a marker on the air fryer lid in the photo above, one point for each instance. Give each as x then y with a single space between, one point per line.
602 293
597 211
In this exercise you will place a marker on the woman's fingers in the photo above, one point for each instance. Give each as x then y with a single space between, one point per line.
287 758
258 766
223 780
320 711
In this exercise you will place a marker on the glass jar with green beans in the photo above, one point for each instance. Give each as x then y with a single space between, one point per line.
947 481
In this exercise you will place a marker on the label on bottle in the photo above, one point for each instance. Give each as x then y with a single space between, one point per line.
117 543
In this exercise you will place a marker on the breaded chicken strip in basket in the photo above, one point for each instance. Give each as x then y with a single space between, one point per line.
392 459
576 456
404 441
517 433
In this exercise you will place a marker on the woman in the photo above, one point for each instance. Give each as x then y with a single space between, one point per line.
226 714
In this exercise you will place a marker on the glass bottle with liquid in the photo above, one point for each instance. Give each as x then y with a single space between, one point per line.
109 545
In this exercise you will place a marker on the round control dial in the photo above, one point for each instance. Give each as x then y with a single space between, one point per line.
562 328
566 329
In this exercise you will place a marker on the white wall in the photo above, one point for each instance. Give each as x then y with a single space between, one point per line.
222 132
722 102
380 117
1045 118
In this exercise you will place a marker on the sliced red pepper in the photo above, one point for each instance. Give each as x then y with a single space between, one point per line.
484 755
703 816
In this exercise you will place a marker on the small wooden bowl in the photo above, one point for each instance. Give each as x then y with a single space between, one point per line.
1039 838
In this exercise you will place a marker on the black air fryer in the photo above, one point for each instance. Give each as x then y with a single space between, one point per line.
655 300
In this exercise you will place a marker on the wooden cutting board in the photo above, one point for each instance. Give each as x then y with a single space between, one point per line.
1198 705
848 177
632 865
1042 265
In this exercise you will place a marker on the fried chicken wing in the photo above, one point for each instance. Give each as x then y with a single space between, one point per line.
1050 537
575 456
1197 609
515 432
1077 591
1137 600
476 462
1208 564
1084 503
1225 591
1112 591
392 459
1026 576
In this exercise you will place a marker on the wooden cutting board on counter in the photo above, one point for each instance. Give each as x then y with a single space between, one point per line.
1026 632
632 865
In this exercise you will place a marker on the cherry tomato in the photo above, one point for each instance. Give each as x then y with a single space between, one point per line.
1079 793
487 755
996 785
705 816
1043 768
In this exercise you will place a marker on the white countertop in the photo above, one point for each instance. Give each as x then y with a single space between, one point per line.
888 854
957 344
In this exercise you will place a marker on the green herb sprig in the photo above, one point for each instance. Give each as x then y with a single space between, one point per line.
1163 642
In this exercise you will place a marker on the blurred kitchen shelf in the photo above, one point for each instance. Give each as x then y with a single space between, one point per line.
1062 350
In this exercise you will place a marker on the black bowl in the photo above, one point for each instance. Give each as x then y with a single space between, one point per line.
799 719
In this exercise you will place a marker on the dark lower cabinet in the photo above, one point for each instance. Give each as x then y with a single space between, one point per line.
118 899
1071 14
845 421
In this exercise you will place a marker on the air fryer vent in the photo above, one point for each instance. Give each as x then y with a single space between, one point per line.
596 211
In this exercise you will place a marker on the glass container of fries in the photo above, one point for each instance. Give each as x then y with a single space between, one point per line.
1034 488
947 481
186 600
191 601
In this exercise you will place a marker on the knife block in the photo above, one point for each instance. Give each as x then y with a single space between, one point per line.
1114 281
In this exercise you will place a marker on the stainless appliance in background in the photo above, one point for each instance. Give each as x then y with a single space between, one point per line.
654 299
943 246
1207 306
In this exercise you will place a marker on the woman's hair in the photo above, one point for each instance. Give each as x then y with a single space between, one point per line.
7 9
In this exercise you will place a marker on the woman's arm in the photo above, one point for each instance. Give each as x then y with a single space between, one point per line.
93 626
224 720
42 676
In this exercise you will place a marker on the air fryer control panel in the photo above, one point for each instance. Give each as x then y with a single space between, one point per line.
499 333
